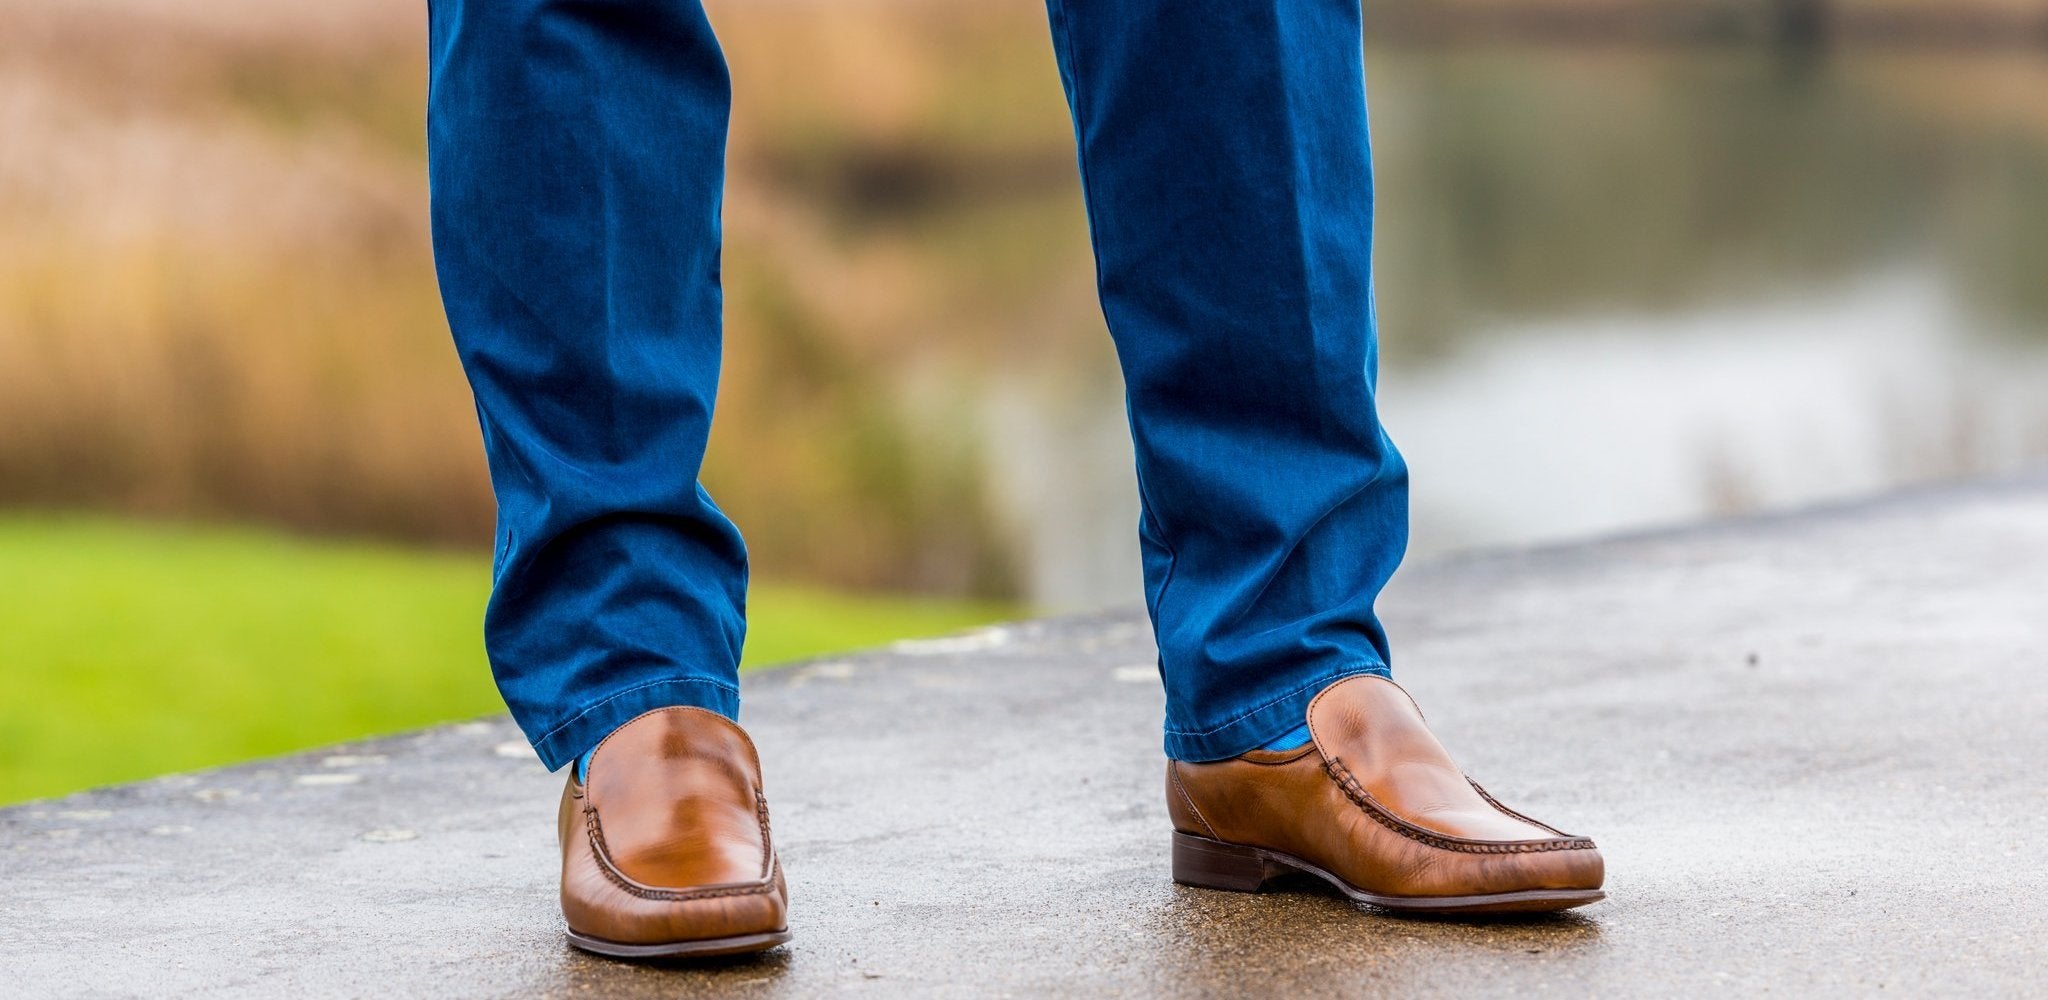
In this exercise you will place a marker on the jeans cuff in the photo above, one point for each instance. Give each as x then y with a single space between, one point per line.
568 741
1263 724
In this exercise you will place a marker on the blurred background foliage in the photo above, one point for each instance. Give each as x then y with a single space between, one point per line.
1640 261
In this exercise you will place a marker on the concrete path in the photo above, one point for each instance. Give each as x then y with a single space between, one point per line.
1812 747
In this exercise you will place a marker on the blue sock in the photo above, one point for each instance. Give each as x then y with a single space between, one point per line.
583 766
1293 739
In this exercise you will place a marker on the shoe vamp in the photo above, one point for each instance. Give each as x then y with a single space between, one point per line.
1440 800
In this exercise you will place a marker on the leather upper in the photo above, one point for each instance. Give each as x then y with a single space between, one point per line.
1376 800
670 840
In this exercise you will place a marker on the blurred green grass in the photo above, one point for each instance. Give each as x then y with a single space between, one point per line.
130 649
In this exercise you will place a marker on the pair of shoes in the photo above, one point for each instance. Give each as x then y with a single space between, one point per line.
666 853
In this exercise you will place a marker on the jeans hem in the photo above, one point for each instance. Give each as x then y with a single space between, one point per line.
1258 727
564 743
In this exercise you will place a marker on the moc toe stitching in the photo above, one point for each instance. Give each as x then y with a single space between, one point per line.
1505 811
769 864
1371 807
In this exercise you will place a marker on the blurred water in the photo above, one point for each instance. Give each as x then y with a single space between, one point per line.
1625 289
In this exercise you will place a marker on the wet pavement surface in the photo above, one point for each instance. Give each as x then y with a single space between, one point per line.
1811 747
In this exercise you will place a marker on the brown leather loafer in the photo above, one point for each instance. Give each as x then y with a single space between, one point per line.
666 853
1374 806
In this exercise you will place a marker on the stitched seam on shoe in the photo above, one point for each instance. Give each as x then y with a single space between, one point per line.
1490 800
767 844
618 878
1173 770
1371 807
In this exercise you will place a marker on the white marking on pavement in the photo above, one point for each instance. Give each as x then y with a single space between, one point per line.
971 642
329 779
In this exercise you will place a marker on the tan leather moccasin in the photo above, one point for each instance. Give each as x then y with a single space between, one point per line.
1374 806
666 852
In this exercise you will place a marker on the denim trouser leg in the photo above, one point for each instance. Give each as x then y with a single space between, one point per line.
576 162
1229 185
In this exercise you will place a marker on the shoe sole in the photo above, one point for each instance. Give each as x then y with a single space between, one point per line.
1213 864
741 944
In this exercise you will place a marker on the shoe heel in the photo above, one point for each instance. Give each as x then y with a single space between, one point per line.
1211 864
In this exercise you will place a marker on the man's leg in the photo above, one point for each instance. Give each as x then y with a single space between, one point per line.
576 158
1223 148
1224 153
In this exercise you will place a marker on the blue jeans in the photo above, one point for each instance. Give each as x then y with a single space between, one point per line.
576 159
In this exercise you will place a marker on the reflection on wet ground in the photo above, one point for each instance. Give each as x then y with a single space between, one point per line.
1805 745
1313 942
